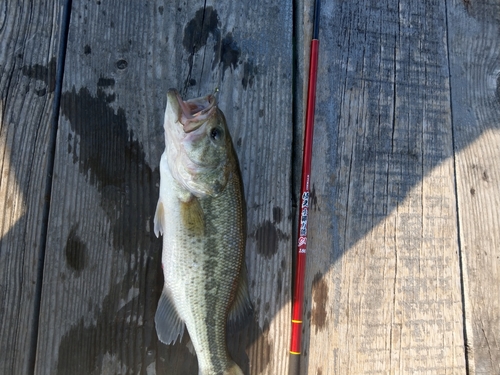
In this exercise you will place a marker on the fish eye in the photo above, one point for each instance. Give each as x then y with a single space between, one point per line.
216 133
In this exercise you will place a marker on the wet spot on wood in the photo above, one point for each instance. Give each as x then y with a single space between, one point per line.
180 356
498 88
260 339
267 236
41 92
113 161
75 252
279 281
319 371
119 317
87 50
266 307
249 73
196 33
46 74
267 239
160 10
277 214
199 28
320 299
105 82
230 53
313 199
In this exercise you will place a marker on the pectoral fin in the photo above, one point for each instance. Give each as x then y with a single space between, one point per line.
159 219
169 325
193 217
242 309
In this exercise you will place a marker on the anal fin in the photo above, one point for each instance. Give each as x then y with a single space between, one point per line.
242 309
169 325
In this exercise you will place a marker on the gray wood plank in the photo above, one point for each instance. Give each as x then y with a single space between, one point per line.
475 77
28 53
383 270
102 278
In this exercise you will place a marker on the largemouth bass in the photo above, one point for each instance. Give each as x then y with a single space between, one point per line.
201 215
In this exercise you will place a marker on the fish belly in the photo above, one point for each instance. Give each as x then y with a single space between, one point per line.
202 259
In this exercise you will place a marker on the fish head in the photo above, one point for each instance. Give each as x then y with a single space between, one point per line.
198 144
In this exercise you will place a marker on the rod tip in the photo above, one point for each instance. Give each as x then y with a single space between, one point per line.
317 7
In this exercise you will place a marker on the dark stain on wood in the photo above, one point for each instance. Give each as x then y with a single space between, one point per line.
497 92
267 239
198 29
83 349
115 163
75 252
196 33
277 214
178 357
267 236
105 82
280 281
46 74
313 199
260 338
230 53
249 72
320 298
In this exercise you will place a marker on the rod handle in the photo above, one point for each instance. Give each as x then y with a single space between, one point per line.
294 364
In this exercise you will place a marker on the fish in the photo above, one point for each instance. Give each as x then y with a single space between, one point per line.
201 215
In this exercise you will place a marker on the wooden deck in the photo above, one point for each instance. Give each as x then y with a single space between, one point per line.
404 252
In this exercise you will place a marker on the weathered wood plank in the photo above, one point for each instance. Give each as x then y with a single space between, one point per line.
383 267
475 77
102 277
28 53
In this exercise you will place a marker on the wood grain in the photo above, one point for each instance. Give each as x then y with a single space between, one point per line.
28 53
403 244
102 278
475 72
383 267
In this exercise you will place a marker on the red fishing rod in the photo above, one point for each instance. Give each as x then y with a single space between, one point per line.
298 292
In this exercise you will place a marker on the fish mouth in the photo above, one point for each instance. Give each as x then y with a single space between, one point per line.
193 112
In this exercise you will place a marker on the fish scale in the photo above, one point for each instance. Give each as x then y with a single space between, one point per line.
204 230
